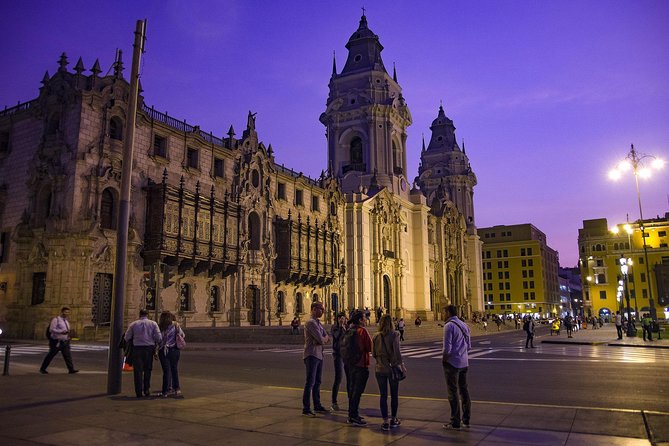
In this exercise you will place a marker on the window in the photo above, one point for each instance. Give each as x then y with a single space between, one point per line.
315 205
501 297
4 142
532 296
531 283
643 277
499 253
184 297
215 299
500 275
281 191
640 260
529 251
280 302
159 146
506 264
524 284
522 251
524 274
531 273
107 214
116 128
53 127
507 286
601 278
356 151
506 274
489 276
506 253
192 156
4 247
500 285
39 288
333 209
602 294
523 263
219 167
299 305
254 231
499 264
298 197
508 297
644 293
530 262
526 296
659 233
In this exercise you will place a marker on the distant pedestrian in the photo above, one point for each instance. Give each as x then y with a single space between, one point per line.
169 353
646 325
59 341
145 337
619 324
358 366
528 326
498 321
337 332
295 326
455 361
569 325
386 351
400 328
418 321
379 313
315 337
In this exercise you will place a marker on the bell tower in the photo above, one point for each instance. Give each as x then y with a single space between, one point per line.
366 119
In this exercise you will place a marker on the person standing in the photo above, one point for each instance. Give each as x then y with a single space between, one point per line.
528 326
455 360
400 328
646 325
59 341
315 337
568 324
337 332
619 324
145 337
386 351
358 370
295 326
169 353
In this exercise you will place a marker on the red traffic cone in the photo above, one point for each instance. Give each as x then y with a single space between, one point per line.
126 367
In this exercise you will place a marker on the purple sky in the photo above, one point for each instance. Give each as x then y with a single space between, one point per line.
546 94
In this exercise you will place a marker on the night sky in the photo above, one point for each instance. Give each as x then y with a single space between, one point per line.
547 95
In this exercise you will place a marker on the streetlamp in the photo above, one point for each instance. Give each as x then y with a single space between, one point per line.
637 164
624 265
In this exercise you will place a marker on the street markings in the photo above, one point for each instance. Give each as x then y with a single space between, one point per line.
34 349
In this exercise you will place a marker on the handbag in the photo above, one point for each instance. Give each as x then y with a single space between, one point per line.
179 340
397 372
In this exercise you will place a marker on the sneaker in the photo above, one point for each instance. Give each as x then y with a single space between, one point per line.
395 422
72 372
43 372
335 407
320 409
308 413
177 392
357 422
451 426
465 425
385 427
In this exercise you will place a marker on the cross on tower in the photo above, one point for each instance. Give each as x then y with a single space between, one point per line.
363 10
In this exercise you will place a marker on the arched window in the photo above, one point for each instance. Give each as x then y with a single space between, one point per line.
299 305
53 125
314 298
254 231
107 214
184 297
116 128
280 302
397 160
215 299
356 150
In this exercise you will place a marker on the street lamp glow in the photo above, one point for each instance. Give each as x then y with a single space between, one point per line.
628 228
645 173
657 164
615 230
624 166
615 175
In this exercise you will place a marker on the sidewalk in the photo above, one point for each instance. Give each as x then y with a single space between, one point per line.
73 410
606 335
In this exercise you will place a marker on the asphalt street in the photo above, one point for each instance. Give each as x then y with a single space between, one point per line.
501 370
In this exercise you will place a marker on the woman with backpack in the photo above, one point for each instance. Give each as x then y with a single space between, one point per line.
169 353
386 351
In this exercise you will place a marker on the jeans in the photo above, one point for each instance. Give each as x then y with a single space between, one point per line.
54 348
312 386
339 373
358 380
647 329
619 329
530 340
456 382
142 365
384 381
169 363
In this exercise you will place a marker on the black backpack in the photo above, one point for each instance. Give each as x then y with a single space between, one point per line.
48 332
526 326
348 347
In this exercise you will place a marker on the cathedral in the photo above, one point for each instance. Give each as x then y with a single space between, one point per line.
220 234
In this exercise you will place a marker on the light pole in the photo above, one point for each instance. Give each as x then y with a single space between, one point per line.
637 163
624 265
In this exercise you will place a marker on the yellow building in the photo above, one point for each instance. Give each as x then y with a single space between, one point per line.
602 246
520 271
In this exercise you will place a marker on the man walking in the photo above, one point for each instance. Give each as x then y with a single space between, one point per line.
59 341
619 324
315 337
455 360
145 336
528 326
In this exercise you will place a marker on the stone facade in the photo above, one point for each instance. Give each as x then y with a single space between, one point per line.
219 233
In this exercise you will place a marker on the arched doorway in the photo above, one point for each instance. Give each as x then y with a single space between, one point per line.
386 293
253 303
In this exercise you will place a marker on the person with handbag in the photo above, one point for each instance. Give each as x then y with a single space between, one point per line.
455 360
170 352
389 370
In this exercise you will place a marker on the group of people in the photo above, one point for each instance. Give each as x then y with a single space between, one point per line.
352 349
144 341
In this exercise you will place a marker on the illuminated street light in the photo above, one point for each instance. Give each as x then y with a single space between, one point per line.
638 164
624 268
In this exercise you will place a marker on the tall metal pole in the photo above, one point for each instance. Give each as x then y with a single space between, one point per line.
114 365
635 164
